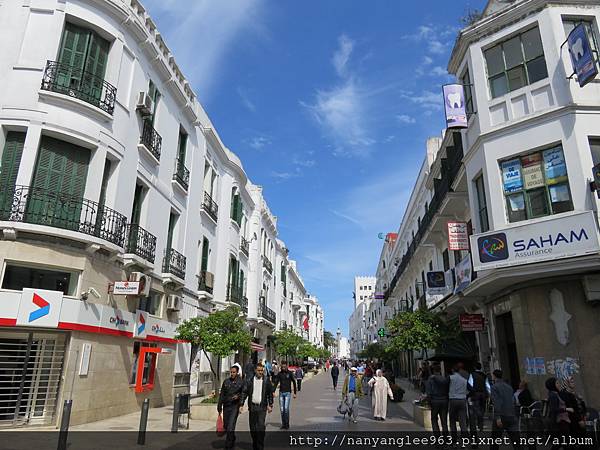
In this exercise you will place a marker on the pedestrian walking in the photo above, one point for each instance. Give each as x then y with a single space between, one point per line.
230 401
335 373
504 411
259 392
380 388
327 365
274 371
352 392
437 388
457 404
299 375
249 370
558 412
478 386
287 384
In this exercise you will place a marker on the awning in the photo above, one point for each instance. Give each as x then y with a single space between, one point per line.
256 347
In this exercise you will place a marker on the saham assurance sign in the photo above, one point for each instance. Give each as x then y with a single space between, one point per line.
555 238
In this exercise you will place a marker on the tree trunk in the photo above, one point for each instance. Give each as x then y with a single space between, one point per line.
216 378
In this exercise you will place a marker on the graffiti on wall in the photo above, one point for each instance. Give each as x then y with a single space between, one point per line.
563 368
535 366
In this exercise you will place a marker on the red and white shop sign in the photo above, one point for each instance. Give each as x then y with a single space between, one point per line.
40 308
458 236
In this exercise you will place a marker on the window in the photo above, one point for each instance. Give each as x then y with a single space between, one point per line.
360 287
236 206
536 185
173 219
152 304
457 257
154 94
484 224
465 80
516 62
595 149
204 258
17 278
571 23
181 146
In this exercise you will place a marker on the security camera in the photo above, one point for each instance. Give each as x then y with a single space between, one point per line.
86 294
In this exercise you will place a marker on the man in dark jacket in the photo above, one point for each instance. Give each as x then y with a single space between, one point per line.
504 411
249 370
335 373
285 380
478 387
437 392
230 401
259 392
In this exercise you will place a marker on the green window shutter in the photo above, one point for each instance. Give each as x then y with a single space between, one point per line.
204 262
241 282
172 221
182 147
136 210
95 66
72 56
11 159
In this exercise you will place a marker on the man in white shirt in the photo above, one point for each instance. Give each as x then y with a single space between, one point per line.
259 392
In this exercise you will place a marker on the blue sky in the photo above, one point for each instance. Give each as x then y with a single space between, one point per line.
328 104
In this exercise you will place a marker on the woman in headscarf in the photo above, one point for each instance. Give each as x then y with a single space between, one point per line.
558 412
380 390
573 401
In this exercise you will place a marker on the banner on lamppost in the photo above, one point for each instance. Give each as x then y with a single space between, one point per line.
582 56
454 106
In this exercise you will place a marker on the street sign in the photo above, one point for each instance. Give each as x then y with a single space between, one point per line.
126 288
472 322
381 332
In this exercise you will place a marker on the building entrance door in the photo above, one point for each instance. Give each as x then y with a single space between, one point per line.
507 347
30 372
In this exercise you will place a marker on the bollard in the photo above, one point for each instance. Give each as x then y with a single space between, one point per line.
175 422
64 425
143 422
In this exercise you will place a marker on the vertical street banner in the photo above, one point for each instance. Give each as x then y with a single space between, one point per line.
454 105
464 272
582 56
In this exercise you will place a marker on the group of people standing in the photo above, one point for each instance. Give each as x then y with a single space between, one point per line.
257 387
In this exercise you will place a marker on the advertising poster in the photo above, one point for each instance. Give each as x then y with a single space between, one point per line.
458 236
463 274
582 56
511 175
454 105
555 166
540 366
530 366
532 171
436 283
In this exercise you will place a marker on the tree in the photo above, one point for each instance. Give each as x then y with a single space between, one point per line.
220 334
328 339
373 350
307 350
417 330
287 342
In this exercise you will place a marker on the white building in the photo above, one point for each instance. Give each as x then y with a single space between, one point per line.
343 351
364 289
111 171
364 293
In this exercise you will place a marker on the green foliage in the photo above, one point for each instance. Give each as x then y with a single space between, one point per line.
307 350
328 339
374 350
220 333
212 399
287 342
417 330
324 353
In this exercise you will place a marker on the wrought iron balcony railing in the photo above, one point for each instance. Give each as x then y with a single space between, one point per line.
77 83
55 209
245 305
234 294
266 313
182 174
204 284
245 246
267 264
174 263
151 139
141 242
210 206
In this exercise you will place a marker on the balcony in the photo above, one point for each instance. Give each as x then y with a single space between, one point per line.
182 174
235 295
245 246
266 313
174 264
141 243
282 325
151 140
79 84
210 207
267 265
55 209
205 282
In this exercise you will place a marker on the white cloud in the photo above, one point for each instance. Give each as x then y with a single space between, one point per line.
427 60
258 142
347 217
201 32
428 100
404 118
342 55
302 162
439 71
245 99
284 176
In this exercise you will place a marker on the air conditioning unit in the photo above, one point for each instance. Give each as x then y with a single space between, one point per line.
145 105
174 302
209 279
145 282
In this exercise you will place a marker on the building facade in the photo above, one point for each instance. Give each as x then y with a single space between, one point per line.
364 293
122 213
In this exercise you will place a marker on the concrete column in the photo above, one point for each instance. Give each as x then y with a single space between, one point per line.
30 149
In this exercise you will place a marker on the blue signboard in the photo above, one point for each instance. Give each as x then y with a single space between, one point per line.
555 166
582 56
511 175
